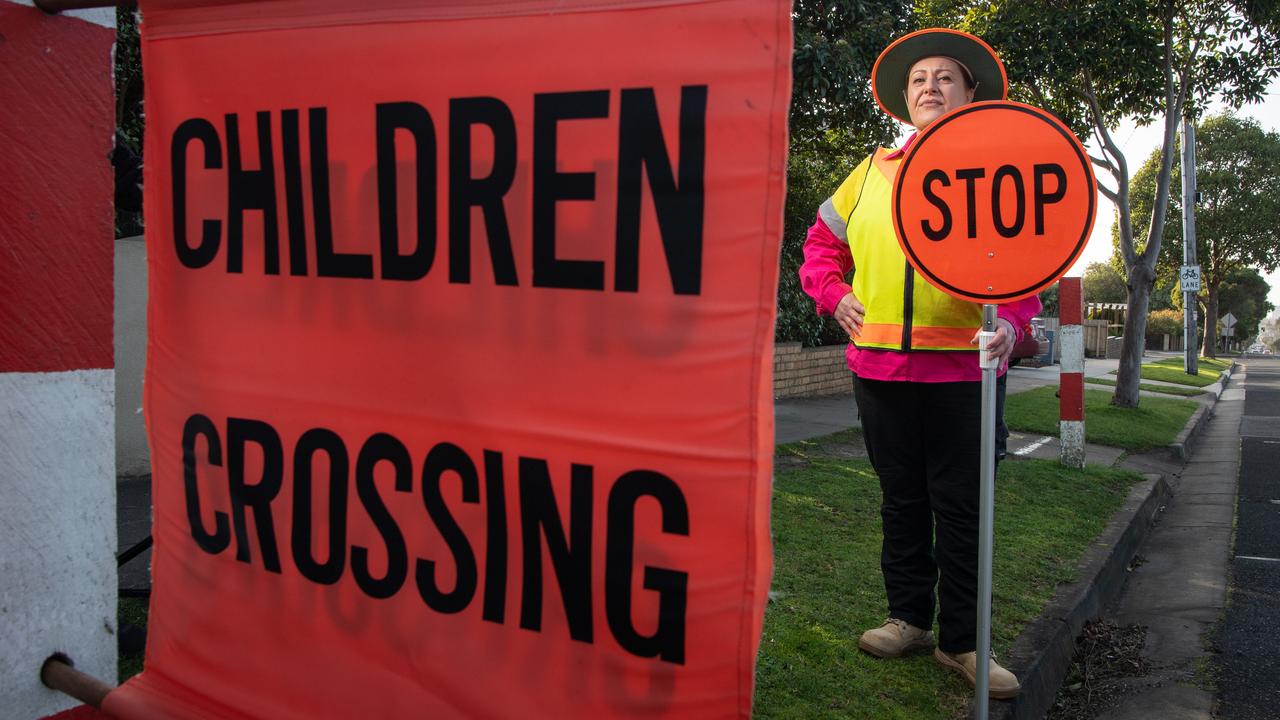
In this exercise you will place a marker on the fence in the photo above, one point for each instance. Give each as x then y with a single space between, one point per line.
1098 342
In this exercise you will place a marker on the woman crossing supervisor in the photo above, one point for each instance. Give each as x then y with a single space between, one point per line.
913 352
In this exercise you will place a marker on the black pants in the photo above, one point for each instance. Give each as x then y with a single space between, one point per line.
924 442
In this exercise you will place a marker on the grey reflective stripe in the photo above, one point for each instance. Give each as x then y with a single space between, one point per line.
833 220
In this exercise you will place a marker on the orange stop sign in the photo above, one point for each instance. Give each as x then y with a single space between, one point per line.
994 201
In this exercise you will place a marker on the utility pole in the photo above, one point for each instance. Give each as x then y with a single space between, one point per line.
1190 271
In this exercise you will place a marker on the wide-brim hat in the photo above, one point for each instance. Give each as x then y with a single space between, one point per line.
889 75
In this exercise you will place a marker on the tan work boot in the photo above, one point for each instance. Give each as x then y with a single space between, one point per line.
1001 684
895 638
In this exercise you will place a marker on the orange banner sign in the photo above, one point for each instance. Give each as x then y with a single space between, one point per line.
458 382
994 201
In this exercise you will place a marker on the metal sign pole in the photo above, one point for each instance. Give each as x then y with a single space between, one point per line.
986 513
1191 353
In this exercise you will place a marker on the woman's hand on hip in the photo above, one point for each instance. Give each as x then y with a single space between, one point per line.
849 313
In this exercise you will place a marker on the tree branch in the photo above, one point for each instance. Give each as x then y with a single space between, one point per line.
1090 94
1119 170
1172 117
1109 194
1103 163
1188 66
1226 266
1185 84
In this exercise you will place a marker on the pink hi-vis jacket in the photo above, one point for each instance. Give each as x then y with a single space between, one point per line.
827 262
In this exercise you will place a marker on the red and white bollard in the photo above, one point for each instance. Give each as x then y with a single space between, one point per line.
1071 384
57 379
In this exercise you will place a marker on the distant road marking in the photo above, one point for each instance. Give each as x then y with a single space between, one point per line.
1033 446
1250 557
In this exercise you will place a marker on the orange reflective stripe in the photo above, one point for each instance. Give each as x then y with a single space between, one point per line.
957 338
880 334
889 335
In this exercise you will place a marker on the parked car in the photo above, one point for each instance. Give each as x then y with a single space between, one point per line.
1034 342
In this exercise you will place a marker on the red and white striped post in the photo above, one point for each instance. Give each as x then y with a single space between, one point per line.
1071 384
57 384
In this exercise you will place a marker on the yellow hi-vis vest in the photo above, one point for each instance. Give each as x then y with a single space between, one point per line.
903 311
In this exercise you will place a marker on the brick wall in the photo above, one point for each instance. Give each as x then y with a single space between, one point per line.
806 372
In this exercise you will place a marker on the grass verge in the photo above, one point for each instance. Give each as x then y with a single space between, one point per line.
1171 370
1166 389
133 611
1156 422
828 588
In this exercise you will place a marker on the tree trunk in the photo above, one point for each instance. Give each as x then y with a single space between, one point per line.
1211 324
1141 279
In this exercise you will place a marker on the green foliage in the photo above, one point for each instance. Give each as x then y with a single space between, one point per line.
1165 322
1163 295
827 586
1155 424
811 178
1103 283
128 77
1049 299
1244 294
127 155
1048 47
836 43
835 123
939 13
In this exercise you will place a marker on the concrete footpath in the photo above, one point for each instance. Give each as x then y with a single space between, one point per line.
1177 522
1178 591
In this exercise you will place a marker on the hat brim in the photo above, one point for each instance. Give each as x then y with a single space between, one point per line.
889 75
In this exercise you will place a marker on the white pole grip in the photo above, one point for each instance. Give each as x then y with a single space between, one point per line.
985 360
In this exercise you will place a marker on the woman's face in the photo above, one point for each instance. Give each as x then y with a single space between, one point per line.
935 85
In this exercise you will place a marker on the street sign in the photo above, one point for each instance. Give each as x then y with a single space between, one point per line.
994 201
1228 320
1190 278
1228 332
